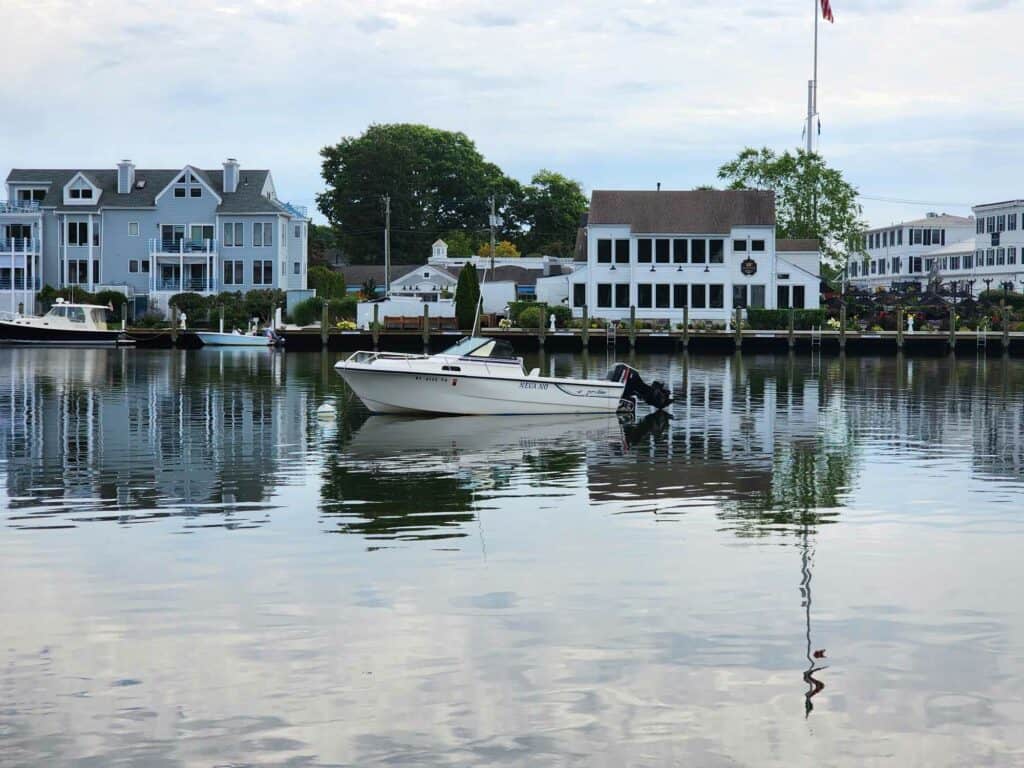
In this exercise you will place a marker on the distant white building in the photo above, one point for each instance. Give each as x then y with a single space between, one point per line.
708 250
999 246
937 248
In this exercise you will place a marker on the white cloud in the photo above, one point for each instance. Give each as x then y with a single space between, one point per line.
616 95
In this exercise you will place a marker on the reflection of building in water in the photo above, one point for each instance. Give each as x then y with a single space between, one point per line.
139 430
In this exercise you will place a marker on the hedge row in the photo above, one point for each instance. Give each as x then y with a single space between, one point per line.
778 319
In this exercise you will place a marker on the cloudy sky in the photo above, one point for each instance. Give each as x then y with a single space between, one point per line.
918 97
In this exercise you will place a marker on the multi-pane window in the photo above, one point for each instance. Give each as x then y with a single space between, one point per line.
698 251
990 257
604 295
133 265
145 265
133 229
262 272
662 247
756 297
1000 256
78 234
233 234
622 295
979 226
604 251
916 233
739 246
262 234
899 237
643 250
990 224
739 296
716 296
798 297
698 296
782 297
1011 222
680 250
234 272
644 295
298 231
757 245
188 185
954 262
579 294
1011 255
661 295
716 251
679 295
969 261
1001 223
622 251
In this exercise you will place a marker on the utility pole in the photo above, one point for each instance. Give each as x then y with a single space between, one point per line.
493 220
387 245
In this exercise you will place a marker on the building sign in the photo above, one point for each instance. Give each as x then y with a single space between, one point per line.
748 267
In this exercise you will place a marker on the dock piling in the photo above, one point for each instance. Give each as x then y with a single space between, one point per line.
792 322
686 327
1006 326
375 330
739 328
585 329
842 326
632 326
426 326
174 326
543 327
899 327
323 325
952 328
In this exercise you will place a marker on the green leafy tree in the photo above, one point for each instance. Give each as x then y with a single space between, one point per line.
323 244
328 283
467 296
552 205
502 249
461 243
437 182
811 199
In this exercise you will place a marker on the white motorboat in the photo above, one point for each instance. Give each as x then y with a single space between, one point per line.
482 377
66 324
236 339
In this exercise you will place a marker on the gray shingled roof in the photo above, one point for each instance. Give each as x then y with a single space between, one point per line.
696 211
782 245
246 199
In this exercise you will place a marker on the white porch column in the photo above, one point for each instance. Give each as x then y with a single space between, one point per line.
90 253
181 265
63 279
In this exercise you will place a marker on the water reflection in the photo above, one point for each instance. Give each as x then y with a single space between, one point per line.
793 565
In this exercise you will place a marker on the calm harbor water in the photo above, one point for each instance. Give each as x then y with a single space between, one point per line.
807 562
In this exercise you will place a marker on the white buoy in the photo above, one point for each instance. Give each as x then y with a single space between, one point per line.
326 412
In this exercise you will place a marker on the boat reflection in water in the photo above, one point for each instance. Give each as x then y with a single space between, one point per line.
412 478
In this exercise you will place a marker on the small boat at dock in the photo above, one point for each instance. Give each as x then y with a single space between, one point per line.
66 324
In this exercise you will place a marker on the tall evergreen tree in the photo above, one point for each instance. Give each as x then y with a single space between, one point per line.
467 295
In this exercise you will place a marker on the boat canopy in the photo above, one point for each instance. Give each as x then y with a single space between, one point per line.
476 346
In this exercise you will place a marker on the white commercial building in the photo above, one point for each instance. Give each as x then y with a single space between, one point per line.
938 249
708 250
999 246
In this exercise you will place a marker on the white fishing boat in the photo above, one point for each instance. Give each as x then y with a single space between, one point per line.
235 339
66 324
482 377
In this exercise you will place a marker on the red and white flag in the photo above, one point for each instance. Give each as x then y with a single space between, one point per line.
826 11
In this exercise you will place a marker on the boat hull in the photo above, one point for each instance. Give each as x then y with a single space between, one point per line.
213 339
411 392
25 333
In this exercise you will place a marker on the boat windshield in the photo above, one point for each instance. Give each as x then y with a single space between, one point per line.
474 346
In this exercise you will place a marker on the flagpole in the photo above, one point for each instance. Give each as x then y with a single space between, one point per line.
812 85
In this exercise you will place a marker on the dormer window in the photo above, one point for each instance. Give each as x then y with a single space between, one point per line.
80 191
188 185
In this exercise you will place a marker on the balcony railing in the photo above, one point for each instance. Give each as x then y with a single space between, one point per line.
19 245
179 246
19 206
299 211
33 283
193 284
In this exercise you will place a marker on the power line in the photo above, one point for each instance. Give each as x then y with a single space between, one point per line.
903 201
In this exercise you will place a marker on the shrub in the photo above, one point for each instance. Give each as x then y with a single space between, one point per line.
195 306
308 311
150 320
262 303
343 308
515 307
778 319
530 317
1013 300
563 315
327 283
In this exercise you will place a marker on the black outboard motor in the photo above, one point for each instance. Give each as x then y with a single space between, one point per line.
654 394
